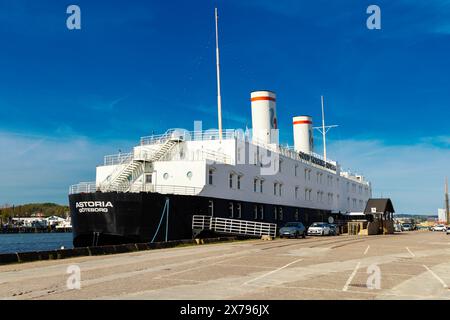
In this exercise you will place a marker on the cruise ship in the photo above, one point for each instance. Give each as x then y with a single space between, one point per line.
230 173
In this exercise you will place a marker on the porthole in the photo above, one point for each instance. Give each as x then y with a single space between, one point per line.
189 174
166 176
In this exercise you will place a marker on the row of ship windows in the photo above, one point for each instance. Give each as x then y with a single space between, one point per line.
319 181
258 184
235 211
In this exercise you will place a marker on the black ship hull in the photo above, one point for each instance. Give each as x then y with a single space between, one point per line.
104 218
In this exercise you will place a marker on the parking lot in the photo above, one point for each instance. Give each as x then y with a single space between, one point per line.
408 265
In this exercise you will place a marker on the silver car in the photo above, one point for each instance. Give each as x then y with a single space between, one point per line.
439 227
319 229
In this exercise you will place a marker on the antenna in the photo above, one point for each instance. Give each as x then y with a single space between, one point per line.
447 210
219 98
324 130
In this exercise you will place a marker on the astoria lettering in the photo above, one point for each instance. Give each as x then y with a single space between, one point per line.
93 206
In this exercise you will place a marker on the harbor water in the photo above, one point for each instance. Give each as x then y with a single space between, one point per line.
21 242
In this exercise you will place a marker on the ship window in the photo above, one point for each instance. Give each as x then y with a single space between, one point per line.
255 182
280 214
295 169
306 194
211 208
279 164
261 185
148 178
231 181
255 211
296 215
279 189
210 176
296 192
275 216
261 212
306 174
189 174
166 176
275 189
239 182
239 210
231 209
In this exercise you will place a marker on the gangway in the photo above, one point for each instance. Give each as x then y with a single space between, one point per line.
233 226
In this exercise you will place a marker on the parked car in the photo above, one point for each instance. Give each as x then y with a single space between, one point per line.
439 227
293 230
448 230
319 229
334 230
406 227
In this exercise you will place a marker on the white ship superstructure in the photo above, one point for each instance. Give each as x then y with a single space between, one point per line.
241 167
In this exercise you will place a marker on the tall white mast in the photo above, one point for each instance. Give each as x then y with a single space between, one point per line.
324 130
447 207
219 98
324 133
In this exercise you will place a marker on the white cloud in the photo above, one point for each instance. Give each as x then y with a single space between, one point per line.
412 175
41 169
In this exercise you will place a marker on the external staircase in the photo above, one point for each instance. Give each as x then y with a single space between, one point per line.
131 169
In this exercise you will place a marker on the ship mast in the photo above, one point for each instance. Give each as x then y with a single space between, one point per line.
447 209
324 133
323 130
219 98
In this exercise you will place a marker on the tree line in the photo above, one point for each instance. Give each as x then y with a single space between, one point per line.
32 209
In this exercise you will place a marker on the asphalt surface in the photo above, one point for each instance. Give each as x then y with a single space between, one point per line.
409 265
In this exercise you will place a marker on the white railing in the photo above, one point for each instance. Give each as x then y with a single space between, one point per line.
90 187
233 226
186 135
119 158
199 155
157 139
83 187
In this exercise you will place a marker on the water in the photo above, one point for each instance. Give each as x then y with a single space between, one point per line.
21 242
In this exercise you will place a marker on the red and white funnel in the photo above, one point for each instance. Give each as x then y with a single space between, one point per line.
303 135
264 116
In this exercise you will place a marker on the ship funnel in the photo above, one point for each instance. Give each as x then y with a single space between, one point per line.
303 135
264 116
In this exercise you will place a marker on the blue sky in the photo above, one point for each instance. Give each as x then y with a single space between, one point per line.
137 67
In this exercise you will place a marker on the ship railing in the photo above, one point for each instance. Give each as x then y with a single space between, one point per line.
164 189
119 158
173 189
233 226
83 187
185 135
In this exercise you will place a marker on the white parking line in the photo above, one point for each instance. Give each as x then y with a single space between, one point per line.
345 288
367 250
437 278
410 252
271 272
